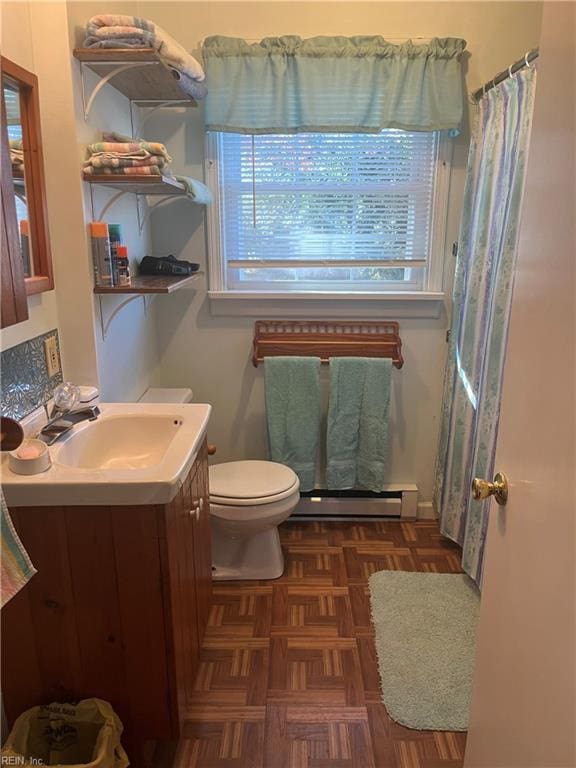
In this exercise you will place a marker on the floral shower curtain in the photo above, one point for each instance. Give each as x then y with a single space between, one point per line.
482 298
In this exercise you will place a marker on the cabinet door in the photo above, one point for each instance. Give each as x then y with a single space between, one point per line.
202 541
188 583
180 603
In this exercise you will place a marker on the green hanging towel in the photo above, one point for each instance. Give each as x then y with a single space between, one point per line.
357 440
293 413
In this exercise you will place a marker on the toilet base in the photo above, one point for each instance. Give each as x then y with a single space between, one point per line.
246 557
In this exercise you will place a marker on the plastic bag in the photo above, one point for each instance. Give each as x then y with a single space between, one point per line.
83 735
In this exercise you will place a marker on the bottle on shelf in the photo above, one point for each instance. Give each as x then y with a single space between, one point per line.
123 265
101 255
115 236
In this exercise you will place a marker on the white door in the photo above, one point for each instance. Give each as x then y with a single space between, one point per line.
523 709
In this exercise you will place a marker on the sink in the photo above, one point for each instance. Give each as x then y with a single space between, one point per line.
120 442
134 453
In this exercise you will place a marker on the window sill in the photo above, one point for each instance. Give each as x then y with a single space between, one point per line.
386 305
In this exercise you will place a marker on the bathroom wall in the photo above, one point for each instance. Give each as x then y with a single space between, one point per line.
125 331
211 352
26 383
37 36
73 277
34 35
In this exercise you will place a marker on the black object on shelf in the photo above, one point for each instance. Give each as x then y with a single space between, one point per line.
166 265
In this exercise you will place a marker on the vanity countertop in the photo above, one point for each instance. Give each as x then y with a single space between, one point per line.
133 454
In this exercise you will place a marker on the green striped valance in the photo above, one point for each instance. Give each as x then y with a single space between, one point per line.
342 84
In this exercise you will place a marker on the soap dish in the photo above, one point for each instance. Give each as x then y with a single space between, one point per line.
30 458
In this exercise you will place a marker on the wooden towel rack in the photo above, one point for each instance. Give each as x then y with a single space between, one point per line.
326 339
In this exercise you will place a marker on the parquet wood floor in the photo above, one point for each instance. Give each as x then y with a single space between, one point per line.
289 675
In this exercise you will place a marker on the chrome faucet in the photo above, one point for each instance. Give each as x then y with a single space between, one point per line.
62 423
65 414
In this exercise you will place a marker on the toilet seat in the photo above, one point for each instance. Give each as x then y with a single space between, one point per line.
251 483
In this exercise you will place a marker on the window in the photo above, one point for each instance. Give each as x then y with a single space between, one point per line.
327 211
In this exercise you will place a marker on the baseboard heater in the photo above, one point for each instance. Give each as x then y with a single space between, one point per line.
396 501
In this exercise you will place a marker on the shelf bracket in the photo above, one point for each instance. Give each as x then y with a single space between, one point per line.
110 203
116 196
87 101
105 322
151 109
139 215
148 301
156 204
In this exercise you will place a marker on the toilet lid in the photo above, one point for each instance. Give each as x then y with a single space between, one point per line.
250 480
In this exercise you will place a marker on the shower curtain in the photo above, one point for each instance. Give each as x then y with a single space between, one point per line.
482 296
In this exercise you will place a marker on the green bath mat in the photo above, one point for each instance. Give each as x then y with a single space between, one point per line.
425 640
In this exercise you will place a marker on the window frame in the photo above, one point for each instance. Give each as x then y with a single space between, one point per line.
430 286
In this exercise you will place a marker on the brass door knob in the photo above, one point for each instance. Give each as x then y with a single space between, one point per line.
482 489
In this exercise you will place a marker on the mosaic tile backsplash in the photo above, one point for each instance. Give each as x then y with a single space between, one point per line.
25 383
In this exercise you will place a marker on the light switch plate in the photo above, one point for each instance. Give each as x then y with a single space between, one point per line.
52 357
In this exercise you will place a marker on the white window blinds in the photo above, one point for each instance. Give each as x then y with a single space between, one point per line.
326 211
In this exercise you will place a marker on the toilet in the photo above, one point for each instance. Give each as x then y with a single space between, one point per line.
248 501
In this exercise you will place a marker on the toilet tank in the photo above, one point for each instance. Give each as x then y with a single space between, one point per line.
167 395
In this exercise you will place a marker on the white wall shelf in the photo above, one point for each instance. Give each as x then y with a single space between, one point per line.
150 284
138 73
138 184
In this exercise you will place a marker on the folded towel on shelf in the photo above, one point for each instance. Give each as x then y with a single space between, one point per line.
357 438
193 88
147 170
293 413
16 568
17 154
113 161
119 42
124 155
134 149
122 138
196 190
134 31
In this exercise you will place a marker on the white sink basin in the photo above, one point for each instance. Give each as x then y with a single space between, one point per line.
120 442
132 454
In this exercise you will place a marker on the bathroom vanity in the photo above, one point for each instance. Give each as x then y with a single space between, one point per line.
119 604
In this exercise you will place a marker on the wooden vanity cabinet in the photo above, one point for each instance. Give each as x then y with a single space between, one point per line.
117 609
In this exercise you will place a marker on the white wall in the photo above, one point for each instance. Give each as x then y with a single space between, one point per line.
126 349
211 353
36 36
